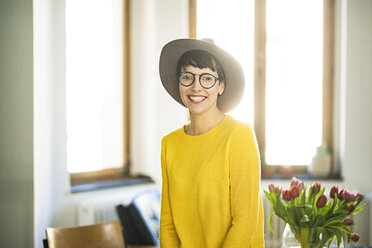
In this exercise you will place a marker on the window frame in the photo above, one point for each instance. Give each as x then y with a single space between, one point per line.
83 181
269 171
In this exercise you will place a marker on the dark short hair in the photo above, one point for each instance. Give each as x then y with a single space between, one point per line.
201 59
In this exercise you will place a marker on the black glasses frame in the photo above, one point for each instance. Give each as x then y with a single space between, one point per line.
200 76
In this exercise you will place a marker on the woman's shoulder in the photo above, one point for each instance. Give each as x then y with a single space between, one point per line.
241 130
173 135
239 126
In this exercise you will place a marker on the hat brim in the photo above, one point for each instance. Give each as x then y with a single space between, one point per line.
170 55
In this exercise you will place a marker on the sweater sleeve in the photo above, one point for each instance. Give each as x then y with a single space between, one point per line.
167 233
244 189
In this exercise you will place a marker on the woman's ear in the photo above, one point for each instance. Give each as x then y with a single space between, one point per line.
221 88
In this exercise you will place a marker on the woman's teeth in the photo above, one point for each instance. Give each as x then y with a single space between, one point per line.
197 98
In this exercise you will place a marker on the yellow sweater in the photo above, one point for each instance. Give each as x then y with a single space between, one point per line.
211 188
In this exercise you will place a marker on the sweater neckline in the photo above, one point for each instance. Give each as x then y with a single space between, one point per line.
207 134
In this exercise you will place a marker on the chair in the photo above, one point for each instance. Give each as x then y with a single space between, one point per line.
107 234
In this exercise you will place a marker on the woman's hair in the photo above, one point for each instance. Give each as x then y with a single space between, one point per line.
201 59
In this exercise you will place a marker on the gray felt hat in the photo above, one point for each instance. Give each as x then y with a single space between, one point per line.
170 55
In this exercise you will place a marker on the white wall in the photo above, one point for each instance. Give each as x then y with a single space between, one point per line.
154 113
358 115
43 118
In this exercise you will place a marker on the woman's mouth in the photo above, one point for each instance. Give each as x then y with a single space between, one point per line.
197 99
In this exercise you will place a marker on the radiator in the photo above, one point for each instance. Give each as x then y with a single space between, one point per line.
362 219
89 213
102 208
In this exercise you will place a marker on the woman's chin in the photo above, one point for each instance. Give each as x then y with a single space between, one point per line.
197 110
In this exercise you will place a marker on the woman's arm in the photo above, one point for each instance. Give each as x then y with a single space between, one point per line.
246 206
168 236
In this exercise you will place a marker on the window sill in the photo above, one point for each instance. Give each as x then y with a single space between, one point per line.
128 181
303 177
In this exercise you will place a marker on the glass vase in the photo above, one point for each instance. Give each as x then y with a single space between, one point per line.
290 241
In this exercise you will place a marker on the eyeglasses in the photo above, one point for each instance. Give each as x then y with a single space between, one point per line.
206 80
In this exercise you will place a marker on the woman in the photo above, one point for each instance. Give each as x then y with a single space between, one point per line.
210 166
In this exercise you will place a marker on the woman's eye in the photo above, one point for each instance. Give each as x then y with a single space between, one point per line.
208 78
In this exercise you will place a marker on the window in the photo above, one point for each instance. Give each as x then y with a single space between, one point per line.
286 50
96 90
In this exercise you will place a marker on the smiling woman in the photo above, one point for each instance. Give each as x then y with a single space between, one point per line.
209 163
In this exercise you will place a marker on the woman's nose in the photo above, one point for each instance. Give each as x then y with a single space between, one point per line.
196 85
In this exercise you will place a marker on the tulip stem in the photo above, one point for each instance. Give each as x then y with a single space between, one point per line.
304 237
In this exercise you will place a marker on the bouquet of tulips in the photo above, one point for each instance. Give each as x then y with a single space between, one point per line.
314 219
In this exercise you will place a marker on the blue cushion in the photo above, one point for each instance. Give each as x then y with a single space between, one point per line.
140 219
147 205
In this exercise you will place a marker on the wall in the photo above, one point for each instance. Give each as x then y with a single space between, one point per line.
358 105
154 112
16 124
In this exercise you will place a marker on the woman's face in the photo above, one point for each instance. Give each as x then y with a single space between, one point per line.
196 98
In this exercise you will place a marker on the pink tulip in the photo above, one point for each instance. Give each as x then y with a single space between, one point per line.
271 188
295 181
295 192
334 191
355 237
322 200
348 196
348 221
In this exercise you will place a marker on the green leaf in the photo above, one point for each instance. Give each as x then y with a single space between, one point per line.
359 209
269 196
316 199
347 229
271 222
333 219
319 220
304 219
330 240
281 210
303 196
339 237
326 208
341 211
334 204
329 243
291 214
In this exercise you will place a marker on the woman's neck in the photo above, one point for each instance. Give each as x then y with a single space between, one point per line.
201 123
